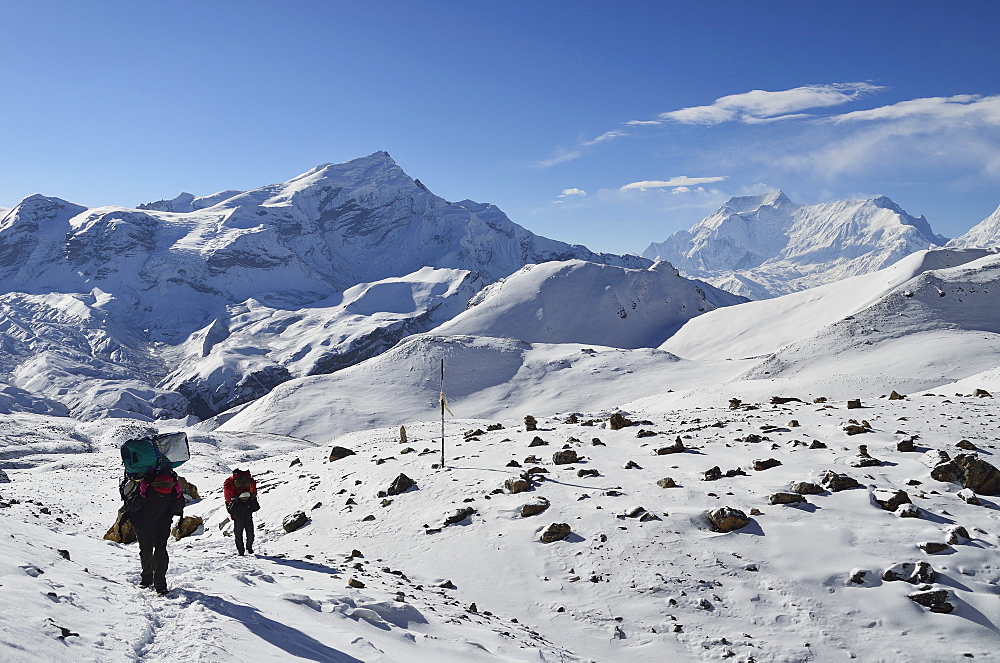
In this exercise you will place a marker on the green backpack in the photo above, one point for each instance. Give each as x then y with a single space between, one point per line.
155 452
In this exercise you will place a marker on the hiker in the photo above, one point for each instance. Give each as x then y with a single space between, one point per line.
155 502
240 491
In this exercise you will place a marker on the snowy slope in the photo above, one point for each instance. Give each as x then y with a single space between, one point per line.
985 234
762 246
212 303
582 302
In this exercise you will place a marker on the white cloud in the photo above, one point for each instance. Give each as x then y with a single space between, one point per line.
643 123
963 107
605 137
679 181
682 189
572 192
757 105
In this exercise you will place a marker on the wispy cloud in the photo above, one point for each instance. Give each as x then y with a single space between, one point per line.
562 154
963 107
758 105
679 181
572 192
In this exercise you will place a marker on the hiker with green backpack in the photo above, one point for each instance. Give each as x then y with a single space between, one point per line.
152 496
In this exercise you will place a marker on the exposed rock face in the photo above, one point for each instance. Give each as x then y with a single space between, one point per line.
911 572
339 453
837 482
971 471
294 521
400 485
121 532
534 508
458 515
556 532
936 600
618 421
727 519
515 486
186 527
565 457
890 500
786 498
675 448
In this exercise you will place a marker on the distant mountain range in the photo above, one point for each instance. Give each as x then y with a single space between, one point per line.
764 246
197 304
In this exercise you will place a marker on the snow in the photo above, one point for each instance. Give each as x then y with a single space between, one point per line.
763 246
105 339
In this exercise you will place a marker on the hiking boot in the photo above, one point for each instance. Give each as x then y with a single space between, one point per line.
162 590
250 549
240 553
145 584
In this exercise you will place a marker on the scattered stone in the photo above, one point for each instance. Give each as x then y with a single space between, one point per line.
908 511
676 447
965 444
820 399
618 421
534 508
981 393
806 488
933 547
856 429
666 482
407 450
339 453
936 600
972 472
493 427
535 470
355 583
402 434
189 489
447 584
368 518
530 423
537 442
556 532
596 442
565 457
3 477
957 534
864 459
854 404
518 485
294 521
906 444
531 460
911 572
187 526
712 474
64 554
121 532
727 519
794 423
786 498
738 472
513 463
761 465
755 512
295 461
816 444
632 465
896 396
587 473
860 577
400 485
890 500
458 515
835 482
969 497
780 400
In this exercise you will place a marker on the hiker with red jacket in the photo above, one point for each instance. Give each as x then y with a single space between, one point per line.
240 491
158 499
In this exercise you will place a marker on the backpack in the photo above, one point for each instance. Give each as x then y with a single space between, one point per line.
155 452
242 479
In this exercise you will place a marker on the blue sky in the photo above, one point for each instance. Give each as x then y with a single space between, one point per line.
611 124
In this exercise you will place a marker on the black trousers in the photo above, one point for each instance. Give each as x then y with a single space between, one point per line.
243 525
153 551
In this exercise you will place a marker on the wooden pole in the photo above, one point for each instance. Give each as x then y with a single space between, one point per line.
442 414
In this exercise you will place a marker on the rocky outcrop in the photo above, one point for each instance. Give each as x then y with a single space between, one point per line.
727 519
294 521
556 532
187 526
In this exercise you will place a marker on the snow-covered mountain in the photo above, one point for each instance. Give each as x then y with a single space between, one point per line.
212 303
766 245
985 234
